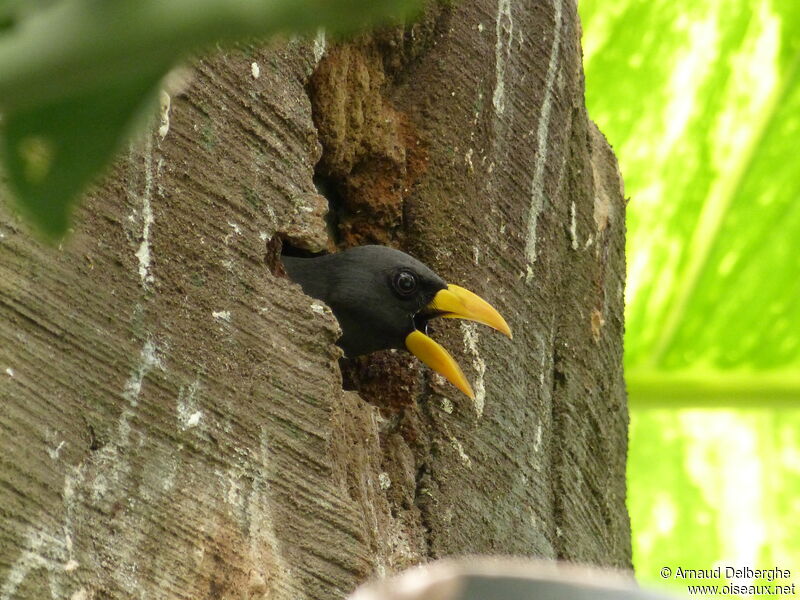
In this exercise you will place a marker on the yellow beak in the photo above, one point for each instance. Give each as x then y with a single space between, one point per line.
454 302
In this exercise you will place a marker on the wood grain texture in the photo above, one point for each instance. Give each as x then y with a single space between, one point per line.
173 421
537 466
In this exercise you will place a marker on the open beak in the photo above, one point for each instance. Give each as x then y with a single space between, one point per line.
453 302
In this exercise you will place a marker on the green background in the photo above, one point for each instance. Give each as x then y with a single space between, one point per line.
701 101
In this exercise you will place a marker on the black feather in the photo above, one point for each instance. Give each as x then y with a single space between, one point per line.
359 286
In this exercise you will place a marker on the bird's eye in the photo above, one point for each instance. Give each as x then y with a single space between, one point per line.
405 283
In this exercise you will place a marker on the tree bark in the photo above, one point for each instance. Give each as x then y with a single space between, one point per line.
173 418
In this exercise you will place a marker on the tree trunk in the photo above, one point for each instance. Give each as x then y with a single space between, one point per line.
173 419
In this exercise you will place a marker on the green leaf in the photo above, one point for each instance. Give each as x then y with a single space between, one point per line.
703 110
714 487
53 151
74 72
701 102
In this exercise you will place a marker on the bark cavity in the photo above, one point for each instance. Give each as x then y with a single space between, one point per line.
371 154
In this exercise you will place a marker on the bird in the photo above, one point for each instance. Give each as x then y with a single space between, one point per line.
384 298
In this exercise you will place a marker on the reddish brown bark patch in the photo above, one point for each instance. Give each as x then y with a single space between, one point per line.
371 153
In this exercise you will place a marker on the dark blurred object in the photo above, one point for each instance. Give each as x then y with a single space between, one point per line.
483 578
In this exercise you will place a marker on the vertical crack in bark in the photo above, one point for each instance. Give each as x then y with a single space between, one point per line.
371 158
556 416
422 499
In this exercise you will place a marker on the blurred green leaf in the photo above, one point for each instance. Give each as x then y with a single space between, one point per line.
53 150
718 487
74 73
701 101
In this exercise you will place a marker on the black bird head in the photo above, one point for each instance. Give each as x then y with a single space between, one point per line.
384 298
